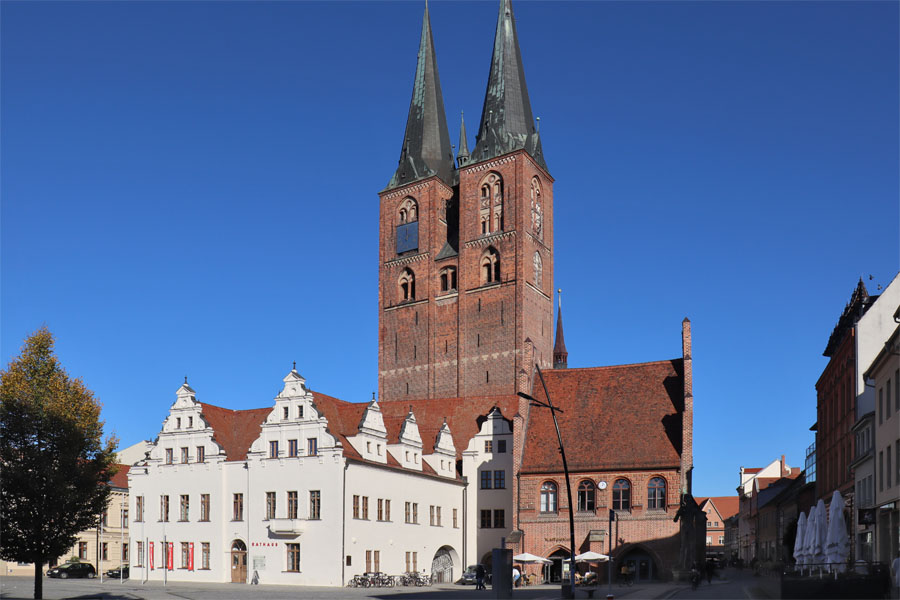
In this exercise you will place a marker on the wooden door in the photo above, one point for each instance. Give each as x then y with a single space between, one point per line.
238 566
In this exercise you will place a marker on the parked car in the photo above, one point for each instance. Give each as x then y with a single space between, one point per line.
73 570
115 574
469 575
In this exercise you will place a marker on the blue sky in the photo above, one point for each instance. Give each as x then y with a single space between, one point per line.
191 189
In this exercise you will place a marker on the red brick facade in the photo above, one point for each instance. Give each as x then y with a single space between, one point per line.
480 336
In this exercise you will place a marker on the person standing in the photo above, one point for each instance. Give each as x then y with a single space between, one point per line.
516 576
895 577
479 577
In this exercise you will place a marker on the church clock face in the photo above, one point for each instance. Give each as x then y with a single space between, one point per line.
602 485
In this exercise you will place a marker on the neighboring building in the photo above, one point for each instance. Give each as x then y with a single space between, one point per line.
465 314
134 453
718 509
872 332
747 541
107 545
885 374
837 391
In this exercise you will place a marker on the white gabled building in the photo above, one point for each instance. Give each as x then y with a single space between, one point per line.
315 490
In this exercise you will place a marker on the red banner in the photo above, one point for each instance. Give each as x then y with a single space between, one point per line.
150 556
191 556
169 561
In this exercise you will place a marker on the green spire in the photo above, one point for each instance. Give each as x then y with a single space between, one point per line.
507 123
462 157
426 147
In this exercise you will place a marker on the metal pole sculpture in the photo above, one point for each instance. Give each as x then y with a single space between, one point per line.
568 592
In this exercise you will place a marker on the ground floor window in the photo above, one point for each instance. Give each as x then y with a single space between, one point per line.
412 559
204 555
185 555
373 561
140 555
293 557
104 551
125 552
82 550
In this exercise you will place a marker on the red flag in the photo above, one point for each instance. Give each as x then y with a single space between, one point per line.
191 556
169 560
151 556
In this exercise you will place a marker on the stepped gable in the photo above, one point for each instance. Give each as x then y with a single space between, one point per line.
645 400
235 430
120 479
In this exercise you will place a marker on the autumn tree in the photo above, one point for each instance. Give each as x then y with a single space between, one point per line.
54 464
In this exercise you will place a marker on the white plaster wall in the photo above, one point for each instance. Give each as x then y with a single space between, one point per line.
873 329
481 541
396 537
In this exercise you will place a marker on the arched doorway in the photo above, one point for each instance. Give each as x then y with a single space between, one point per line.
238 562
640 564
558 569
445 559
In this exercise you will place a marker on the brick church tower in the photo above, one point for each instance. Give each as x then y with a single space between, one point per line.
466 248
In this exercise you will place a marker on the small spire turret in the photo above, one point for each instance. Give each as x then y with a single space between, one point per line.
560 355
463 156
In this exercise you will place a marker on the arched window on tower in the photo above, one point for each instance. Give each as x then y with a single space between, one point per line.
491 207
490 266
656 493
537 214
548 497
538 270
407 283
407 226
621 495
586 496
448 279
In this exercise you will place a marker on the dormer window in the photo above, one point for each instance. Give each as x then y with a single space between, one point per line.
369 447
169 456
286 413
190 422
299 412
177 422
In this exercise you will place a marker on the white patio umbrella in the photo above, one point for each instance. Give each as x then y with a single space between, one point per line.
821 531
798 541
837 542
528 558
591 556
808 536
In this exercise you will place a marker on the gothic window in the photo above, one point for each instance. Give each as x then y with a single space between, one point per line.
537 215
407 284
491 204
586 496
490 266
409 211
548 497
538 270
621 495
656 493
448 279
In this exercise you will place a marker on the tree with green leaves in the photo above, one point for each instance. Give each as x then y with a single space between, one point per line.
55 464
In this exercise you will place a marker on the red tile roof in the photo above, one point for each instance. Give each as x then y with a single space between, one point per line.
120 479
235 430
464 417
726 505
620 417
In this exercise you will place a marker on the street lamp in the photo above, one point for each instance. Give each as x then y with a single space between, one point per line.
570 591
